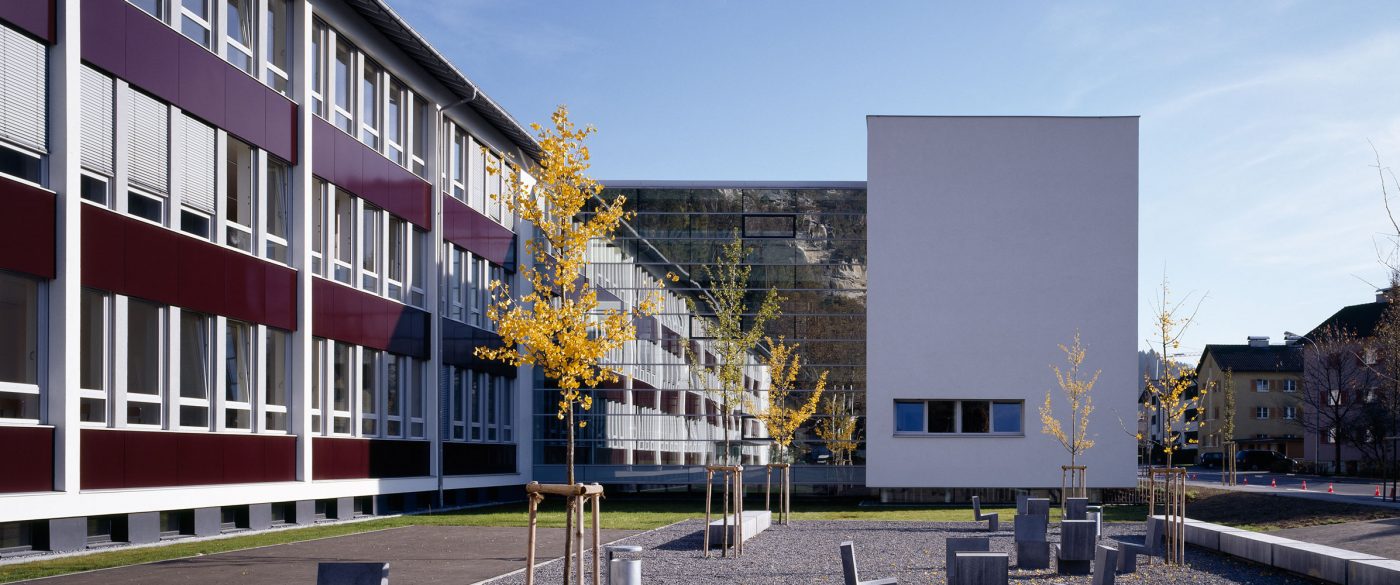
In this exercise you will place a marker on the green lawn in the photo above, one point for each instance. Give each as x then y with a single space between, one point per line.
617 514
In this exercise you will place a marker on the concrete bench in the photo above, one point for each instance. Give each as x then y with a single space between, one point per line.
1206 534
1076 508
1105 565
992 520
1316 560
851 573
1077 541
352 574
1038 507
1379 572
981 568
754 522
1251 546
1127 556
953 546
1032 542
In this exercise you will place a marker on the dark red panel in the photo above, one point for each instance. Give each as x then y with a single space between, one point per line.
413 197
279 458
103 454
202 83
322 457
35 17
245 106
104 34
336 458
151 458
104 249
201 277
375 170
321 303
151 48
280 297
246 288
29 459
349 311
323 136
280 129
200 459
349 163
27 229
475 232
243 459
150 253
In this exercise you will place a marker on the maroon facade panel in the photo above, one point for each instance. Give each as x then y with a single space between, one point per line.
28 229
345 314
347 458
29 466
349 164
130 44
128 256
115 459
475 232
35 17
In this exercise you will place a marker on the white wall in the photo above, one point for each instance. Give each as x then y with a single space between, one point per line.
991 240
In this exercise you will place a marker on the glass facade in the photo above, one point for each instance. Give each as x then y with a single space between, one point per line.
658 424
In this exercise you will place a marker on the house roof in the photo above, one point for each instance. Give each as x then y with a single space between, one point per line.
393 27
1247 358
1358 319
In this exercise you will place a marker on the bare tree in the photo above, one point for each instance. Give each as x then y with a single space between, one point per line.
1335 382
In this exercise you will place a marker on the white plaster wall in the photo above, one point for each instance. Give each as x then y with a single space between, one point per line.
991 240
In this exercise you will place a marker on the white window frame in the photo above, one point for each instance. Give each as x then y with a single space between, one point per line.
1290 413
458 168
344 271
1290 385
371 122
320 62
320 195
227 402
393 378
475 400
370 264
416 411
395 288
351 388
416 271
121 358
352 71
418 107
41 325
1261 385
458 390
395 143
211 8
1261 412
229 44
270 29
497 274
264 211
104 356
255 187
320 386
211 386
265 406
369 395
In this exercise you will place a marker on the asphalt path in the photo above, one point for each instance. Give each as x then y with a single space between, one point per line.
1344 489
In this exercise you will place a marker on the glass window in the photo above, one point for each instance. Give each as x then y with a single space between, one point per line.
239 34
92 368
144 348
154 8
147 207
975 416
21 164
195 19
422 130
369 392
279 185
942 416
275 389
395 117
369 105
277 29
95 189
196 368
398 244
908 417
393 396
477 178
369 247
344 235
318 225
19 348
318 373
475 400
493 187
417 265
194 223
493 400
459 176
460 381
340 389
238 382
240 197
318 67
344 84
1007 417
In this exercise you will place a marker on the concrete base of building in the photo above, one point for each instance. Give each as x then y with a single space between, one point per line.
208 521
67 534
259 516
304 512
143 527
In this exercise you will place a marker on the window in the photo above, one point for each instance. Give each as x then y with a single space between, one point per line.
145 349
97 130
417 265
238 34
395 122
422 130
279 188
460 150
1261 412
148 158
274 403
493 402
340 389
1007 417
498 274
96 189
277 31
476 154
394 371
960 416
1290 413
369 392
908 417
369 246
24 115
238 382
239 198
198 185
196 368
1290 385
770 226
344 86
19 348
320 36
507 410
319 387
459 380
493 187
413 381
459 262
154 8
474 402
196 17
975 416
369 104
318 225
1261 385
94 370
344 236
399 231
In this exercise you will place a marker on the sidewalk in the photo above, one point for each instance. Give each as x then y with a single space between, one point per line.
1350 492
1377 537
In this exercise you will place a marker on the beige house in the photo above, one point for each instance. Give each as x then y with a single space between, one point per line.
1266 381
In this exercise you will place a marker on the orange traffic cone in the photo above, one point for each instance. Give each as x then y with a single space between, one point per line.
1246 481
1378 491
1273 483
1329 487
1305 485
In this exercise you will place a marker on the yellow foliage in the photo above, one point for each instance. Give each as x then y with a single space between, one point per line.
838 429
1076 388
1171 391
780 417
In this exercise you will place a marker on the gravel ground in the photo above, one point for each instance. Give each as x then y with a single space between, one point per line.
807 553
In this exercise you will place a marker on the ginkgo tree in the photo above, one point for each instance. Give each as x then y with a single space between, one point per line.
1076 386
1174 394
782 415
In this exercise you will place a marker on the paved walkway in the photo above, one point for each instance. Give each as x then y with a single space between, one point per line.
428 555
1351 491
1377 537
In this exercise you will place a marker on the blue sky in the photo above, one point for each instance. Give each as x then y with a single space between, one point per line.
1257 179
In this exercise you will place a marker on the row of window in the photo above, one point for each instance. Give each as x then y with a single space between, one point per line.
959 416
380 390
148 365
468 287
366 101
255 35
1263 412
370 248
1261 385
470 180
482 406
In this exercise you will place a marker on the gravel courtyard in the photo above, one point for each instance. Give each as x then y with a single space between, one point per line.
807 552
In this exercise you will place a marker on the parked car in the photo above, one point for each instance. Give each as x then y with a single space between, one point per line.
1212 460
1261 460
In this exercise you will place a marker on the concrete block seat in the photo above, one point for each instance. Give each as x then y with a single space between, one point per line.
1318 561
992 520
1077 541
754 522
1382 572
1105 565
953 546
1251 546
851 573
981 568
1032 542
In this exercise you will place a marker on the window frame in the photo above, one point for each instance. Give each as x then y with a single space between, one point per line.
162 355
231 405
248 51
266 406
958 407
211 386
205 23
105 374
40 322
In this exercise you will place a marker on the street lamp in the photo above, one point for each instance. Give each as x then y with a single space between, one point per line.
1318 411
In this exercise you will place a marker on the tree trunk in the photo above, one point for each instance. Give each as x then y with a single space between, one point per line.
1337 453
569 502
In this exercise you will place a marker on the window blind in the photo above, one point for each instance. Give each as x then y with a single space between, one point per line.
23 107
148 144
197 152
96 121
